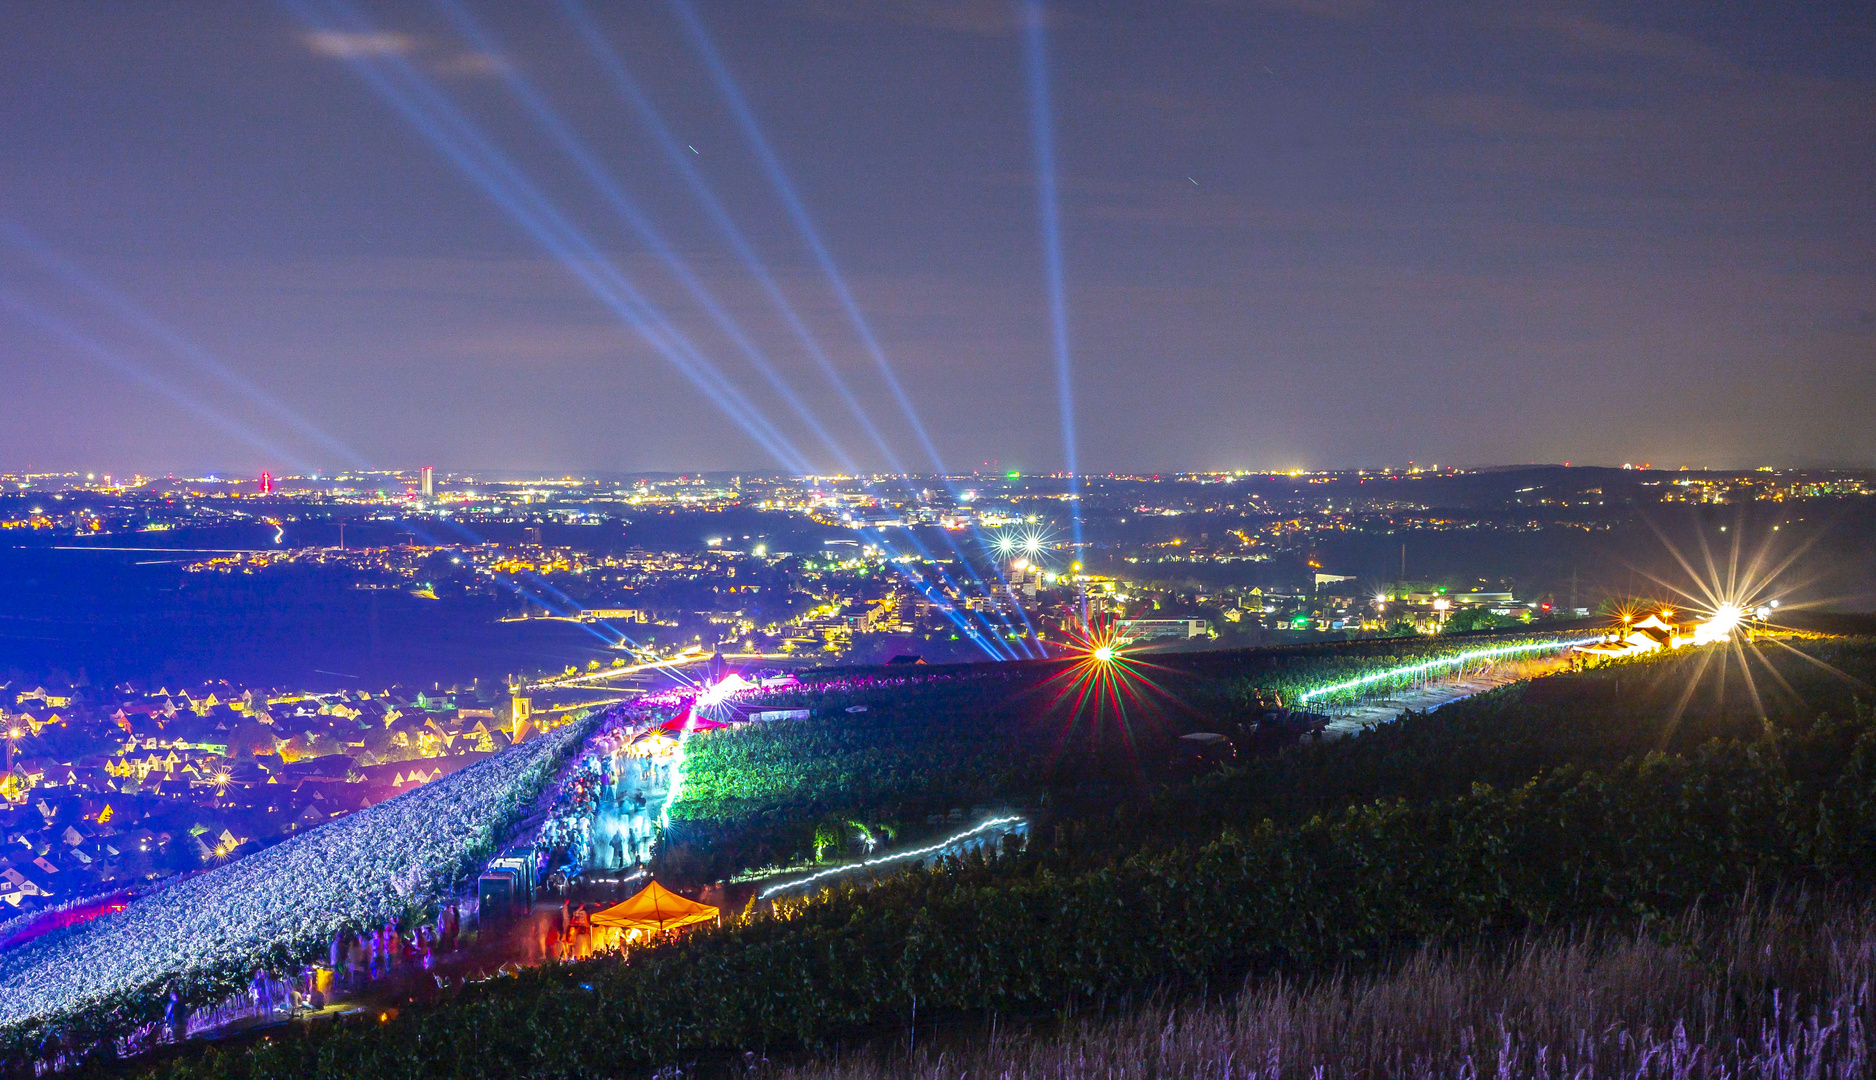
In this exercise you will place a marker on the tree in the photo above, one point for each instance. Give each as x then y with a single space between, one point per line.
1476 618
826 835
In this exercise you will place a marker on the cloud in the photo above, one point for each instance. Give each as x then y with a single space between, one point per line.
339 45
384 44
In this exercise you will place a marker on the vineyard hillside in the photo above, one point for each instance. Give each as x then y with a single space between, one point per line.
1588 806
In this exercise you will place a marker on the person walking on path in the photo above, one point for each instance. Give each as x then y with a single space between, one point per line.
263 990
176 1017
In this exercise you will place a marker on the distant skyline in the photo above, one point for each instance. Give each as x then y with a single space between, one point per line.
1294 234
412 474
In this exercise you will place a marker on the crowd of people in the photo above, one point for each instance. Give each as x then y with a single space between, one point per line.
375 954
572 937
598 816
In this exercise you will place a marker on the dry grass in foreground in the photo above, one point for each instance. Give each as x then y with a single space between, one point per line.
1779 989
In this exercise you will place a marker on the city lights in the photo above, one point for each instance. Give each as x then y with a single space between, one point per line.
1031 543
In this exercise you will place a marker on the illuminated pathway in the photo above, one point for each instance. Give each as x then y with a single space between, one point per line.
987 836
626 817
1361 717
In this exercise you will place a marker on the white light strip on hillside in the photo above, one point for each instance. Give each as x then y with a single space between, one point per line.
914 853
1445 661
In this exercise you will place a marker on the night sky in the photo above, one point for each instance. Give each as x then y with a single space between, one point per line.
1303 233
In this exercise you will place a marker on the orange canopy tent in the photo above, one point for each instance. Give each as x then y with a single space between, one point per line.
655 908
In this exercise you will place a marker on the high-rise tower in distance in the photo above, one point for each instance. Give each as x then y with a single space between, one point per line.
429 481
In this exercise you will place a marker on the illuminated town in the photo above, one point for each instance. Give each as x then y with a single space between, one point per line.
179 774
